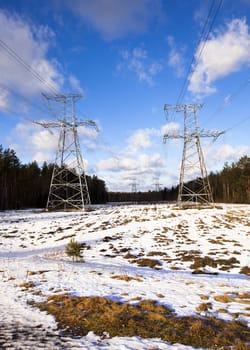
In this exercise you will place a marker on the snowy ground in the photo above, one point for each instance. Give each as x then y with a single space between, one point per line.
118 238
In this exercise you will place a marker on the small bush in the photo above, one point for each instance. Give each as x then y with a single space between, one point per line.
73 250
245 270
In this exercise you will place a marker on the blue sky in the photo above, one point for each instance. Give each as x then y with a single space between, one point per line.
127 59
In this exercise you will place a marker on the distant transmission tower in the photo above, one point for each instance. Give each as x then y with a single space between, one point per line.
157 185
68 188
133 186
194 186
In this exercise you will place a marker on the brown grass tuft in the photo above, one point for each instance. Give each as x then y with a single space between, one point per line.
245 270
126 278
26 285
223 298
144 262
147 319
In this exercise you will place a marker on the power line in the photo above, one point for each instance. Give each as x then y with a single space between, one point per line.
20 60
222 106
34 73
242 121
25 99
193 57
203 38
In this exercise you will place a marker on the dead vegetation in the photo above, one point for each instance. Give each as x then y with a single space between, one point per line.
245 270
147 319
145 262
127 278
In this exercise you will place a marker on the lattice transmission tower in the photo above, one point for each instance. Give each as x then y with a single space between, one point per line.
133 186
194 186
157 185
68 188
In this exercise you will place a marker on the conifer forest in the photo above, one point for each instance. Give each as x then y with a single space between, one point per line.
27 185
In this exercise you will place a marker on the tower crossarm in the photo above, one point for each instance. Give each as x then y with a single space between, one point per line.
63 122
172 136
191 135
89 122
48 125
213 134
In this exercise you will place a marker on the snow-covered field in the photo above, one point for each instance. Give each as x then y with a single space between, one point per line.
117 240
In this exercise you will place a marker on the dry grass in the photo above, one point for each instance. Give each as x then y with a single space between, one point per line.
144 262
26 285
147 319
241 298
127 278
40 272
204 307
245 270
223 298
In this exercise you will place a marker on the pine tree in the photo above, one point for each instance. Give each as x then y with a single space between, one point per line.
73 249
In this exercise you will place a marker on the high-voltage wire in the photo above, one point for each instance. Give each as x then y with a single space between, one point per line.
25 65
206 30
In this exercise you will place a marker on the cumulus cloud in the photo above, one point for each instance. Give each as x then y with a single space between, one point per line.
31 44
224 53
175 57
116 18
227 153
32 141
137 61
137 161
4 99
43 140
170 129
140 139
76 85
88 137
118 164
138 165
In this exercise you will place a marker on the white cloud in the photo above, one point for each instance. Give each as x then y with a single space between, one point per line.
88 137
137 62
170 129
137 161
140 139
87 132
217 156
76 85
31 45
175 58
229 153
31 141
43 140
224 53
131 166
34 142
4 98
116 18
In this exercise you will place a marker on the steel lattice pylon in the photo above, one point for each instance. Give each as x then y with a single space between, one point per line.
194 186
68 188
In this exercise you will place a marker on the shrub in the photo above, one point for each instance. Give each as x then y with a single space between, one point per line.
73 249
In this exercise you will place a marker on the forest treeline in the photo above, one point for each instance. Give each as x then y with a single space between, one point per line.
230 185
27 185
